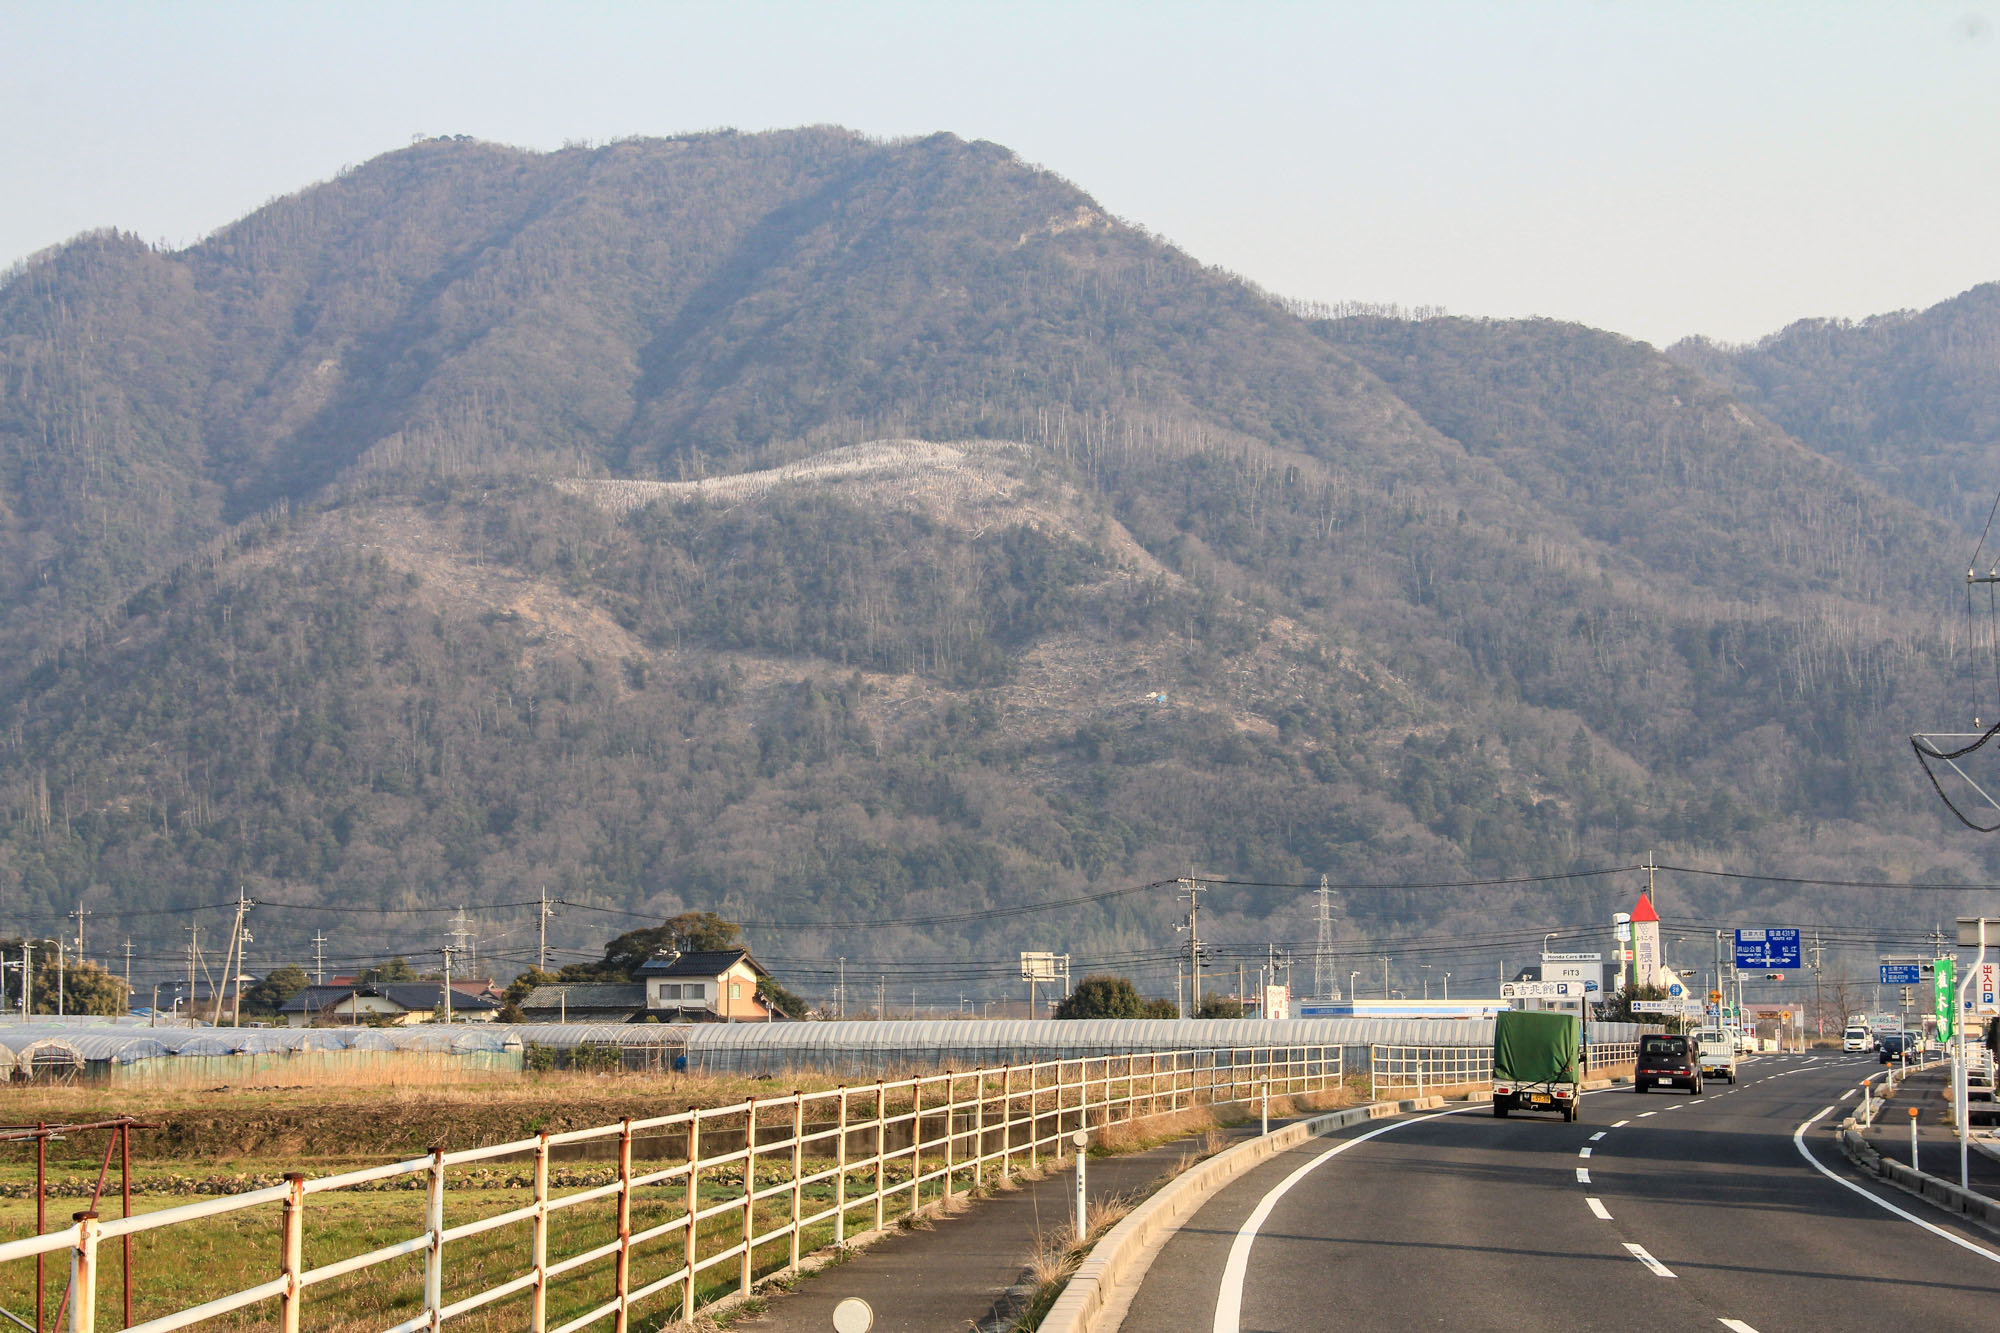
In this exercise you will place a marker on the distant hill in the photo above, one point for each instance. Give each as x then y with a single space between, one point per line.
1910 400
812 528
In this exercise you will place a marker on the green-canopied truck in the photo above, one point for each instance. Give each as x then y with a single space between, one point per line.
1537 1062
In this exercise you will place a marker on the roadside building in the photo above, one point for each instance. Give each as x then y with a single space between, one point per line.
397 1002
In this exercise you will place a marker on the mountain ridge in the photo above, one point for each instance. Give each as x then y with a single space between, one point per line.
798 522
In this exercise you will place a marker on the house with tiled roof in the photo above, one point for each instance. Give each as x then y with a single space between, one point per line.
704 986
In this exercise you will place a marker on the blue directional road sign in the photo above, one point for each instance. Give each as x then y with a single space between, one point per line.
1762 949
1901 974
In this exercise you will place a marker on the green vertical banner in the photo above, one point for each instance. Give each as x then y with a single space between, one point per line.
1945 997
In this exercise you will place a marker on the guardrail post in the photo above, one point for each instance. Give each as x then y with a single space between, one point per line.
83 1275
881 1152
979 1132
950 1143
749 1195
621 1277
434 1256
538 1308
798 1168
292 1248
693 1207
1034 1115
1006 1121
840 1172
916 1144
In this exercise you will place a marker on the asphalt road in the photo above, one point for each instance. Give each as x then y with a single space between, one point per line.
1659 1210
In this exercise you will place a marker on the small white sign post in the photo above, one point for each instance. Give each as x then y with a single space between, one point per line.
1082 1140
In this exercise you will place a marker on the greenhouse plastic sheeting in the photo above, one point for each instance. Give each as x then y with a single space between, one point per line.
566 1036
886 1046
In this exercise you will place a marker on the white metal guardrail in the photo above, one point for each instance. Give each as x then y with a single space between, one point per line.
738 1192
1395 1070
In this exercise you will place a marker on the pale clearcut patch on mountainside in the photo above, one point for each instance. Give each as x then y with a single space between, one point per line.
974 484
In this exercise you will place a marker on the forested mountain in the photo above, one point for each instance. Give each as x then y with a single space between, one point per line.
1910 400
811 528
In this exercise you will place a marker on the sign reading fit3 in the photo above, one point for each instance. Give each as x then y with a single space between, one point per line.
1767 948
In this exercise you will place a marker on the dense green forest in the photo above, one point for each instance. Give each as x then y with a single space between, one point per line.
316 580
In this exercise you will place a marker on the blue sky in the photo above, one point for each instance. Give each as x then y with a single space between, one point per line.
1657 169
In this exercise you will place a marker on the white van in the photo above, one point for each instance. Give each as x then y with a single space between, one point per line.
1854 1039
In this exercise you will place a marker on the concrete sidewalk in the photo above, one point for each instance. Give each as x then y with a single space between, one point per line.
968 1271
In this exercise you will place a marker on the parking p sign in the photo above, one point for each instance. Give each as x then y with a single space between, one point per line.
1986 989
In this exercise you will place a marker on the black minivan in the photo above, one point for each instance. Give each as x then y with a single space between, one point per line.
1669 1060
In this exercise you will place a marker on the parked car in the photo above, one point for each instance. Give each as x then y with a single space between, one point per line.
1669 1060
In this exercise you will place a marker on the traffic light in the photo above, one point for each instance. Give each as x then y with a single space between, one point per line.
1774 976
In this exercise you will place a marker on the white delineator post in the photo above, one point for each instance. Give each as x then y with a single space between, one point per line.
1082 1140
1913 1138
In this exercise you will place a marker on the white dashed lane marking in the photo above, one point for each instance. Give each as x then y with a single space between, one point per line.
1621 1124
1584 1151
1603 1213
1583 1175
1639 1252
1601 1133
1849 1093
1644 1114
1737 1326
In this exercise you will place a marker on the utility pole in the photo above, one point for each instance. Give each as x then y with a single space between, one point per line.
1385 976
542 923
59 978
194 952
319 959
841 1007
1194 892
27 979
881 996
128 976
77 916
1819 1002
232 959
449 950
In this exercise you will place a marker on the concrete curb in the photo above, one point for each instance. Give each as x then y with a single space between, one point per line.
1121 1257
1968 1203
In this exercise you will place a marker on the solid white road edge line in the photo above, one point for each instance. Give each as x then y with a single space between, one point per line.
1229 1296
1799 1141
1639 1252
1597 1206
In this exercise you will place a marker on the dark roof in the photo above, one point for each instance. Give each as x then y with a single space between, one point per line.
702 963
587 995
410 995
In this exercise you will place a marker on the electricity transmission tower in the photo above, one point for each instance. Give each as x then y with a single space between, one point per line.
1324 986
